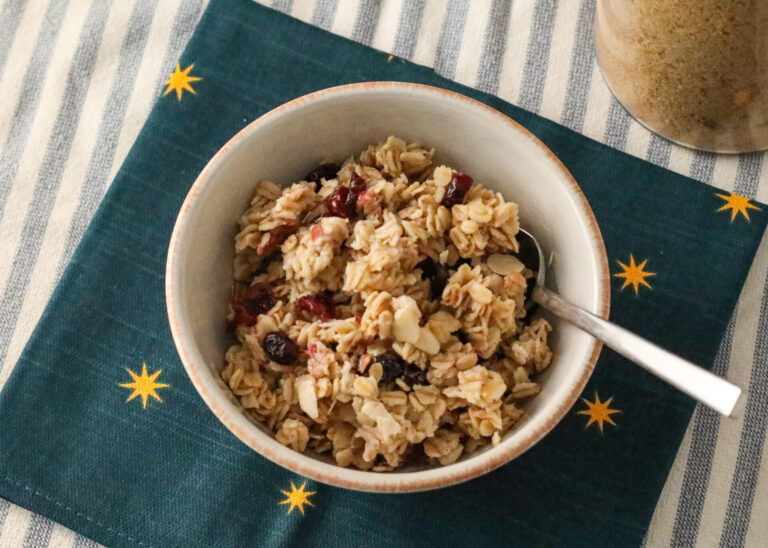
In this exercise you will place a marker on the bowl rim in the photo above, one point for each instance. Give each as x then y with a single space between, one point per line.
391 482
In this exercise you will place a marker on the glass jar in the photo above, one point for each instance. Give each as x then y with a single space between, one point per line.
694 71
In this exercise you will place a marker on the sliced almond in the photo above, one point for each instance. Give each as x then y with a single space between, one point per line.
427 341
405 327
480 294
505 264
305 387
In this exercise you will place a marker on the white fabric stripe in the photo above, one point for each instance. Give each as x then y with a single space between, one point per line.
303 9
386 28
15 527
346 12
429 33
558 66
598 105
10 16
471 50
517 44
61 537
11 81
680 160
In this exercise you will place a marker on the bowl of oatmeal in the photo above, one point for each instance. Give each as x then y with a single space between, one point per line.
347 293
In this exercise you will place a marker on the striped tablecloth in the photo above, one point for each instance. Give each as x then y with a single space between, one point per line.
78 78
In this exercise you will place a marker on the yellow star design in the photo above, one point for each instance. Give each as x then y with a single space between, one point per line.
297 497
634 274
737 204
599 412
180 80
144 385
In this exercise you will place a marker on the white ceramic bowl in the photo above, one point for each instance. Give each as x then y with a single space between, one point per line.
331 124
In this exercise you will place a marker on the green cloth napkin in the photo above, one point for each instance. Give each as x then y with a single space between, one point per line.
169 474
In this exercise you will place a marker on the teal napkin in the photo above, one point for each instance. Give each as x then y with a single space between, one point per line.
79 445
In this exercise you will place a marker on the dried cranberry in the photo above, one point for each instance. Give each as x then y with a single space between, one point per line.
323 171
338 204
456 189
437 274
392 366
343 201
251 302
357 183
321 304
280 348
413 375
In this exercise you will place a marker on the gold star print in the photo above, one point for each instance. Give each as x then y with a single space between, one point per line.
144 385
180 80
737 204
297 497
634 274
599 412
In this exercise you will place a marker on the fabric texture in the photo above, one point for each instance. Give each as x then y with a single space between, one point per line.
179 478
715 492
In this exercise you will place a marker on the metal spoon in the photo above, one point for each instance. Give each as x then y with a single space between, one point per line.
709 389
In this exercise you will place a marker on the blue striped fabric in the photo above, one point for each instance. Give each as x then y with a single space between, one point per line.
57 156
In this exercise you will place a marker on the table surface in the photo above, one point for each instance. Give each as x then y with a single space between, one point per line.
79 78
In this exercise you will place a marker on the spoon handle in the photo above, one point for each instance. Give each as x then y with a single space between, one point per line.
709 389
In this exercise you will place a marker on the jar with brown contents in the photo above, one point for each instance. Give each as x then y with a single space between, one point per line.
694 71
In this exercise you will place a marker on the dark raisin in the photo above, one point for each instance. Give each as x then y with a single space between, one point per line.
251 302
437 274
343 201
438 282
413 375
323 171
428 268
461 336
320 304
456 189
280 348
392 366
